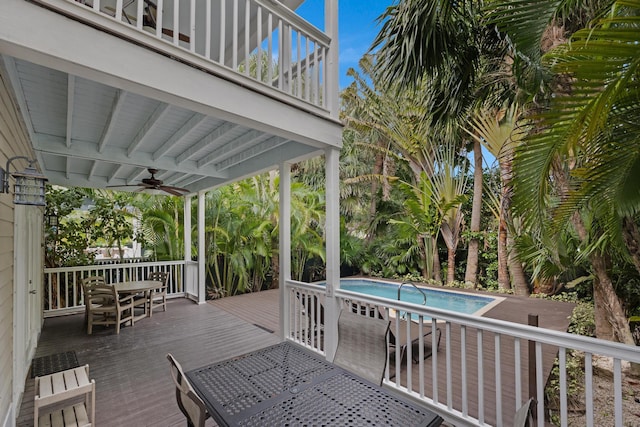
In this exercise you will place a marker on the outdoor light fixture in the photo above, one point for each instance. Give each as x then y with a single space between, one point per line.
29 187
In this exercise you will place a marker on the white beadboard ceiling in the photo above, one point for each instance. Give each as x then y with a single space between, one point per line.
87 132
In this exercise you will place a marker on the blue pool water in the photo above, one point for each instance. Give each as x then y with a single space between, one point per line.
453 301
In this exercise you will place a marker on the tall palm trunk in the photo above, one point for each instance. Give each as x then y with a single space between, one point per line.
505 161
516 270
611 321
503 253
471 274
437 273
451 265
631 238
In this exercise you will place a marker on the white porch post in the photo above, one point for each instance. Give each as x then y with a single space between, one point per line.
201 254
285 245
186 226
332 231
332 157
332 66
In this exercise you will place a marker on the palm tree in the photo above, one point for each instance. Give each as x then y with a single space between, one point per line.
585 156
497 131
461 57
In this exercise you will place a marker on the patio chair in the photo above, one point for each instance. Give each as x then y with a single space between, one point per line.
87 284
107 308
524 415
189 402
158 296
362 345
402 342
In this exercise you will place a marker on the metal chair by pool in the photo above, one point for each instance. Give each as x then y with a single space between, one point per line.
362 345
400 340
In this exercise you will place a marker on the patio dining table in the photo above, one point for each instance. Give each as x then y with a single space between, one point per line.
138 287
285 384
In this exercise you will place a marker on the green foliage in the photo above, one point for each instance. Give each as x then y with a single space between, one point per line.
65 243
582 320
575 384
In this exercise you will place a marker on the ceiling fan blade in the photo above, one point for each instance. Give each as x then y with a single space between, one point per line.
130 187
174 190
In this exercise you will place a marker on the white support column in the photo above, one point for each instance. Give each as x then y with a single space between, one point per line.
186 226
332 235
332 75
201 251
284 245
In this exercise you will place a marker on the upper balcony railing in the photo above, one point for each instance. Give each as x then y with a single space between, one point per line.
259 43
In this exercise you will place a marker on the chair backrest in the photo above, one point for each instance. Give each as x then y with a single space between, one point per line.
160 276
101 295
188 401
524 415
92 281
362 345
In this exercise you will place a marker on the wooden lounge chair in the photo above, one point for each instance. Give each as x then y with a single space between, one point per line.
158 296
189 402
400 340
106 308
362 345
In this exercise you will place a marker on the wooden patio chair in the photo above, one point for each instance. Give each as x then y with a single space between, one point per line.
107 308
87 284
362 345
158 296
188 401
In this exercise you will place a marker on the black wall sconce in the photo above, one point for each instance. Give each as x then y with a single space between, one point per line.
29 188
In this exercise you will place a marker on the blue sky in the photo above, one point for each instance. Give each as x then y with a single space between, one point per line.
357 28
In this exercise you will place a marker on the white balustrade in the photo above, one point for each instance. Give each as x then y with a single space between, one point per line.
63 285
497 356
259 40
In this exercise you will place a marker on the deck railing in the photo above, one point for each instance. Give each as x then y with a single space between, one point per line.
260 40
486 361
63 285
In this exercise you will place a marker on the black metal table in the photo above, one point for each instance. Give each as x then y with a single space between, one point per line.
286 385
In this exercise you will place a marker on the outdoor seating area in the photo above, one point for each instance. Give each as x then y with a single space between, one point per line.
115 304
200 335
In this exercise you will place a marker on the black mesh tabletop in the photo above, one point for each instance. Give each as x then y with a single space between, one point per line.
285 385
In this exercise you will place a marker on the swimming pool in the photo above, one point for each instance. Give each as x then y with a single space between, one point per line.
447 300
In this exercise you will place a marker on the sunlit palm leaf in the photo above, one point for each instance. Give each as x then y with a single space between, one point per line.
595 125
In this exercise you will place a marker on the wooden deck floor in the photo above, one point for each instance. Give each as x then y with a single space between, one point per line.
133 386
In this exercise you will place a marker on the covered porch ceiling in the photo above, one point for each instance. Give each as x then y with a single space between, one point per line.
89 134
103 120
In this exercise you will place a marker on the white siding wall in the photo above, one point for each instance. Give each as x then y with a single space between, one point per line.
14 141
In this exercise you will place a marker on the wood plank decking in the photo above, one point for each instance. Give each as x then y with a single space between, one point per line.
133 386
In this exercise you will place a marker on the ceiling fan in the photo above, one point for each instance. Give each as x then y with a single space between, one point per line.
151 185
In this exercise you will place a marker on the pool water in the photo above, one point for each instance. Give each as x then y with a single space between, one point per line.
446 300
